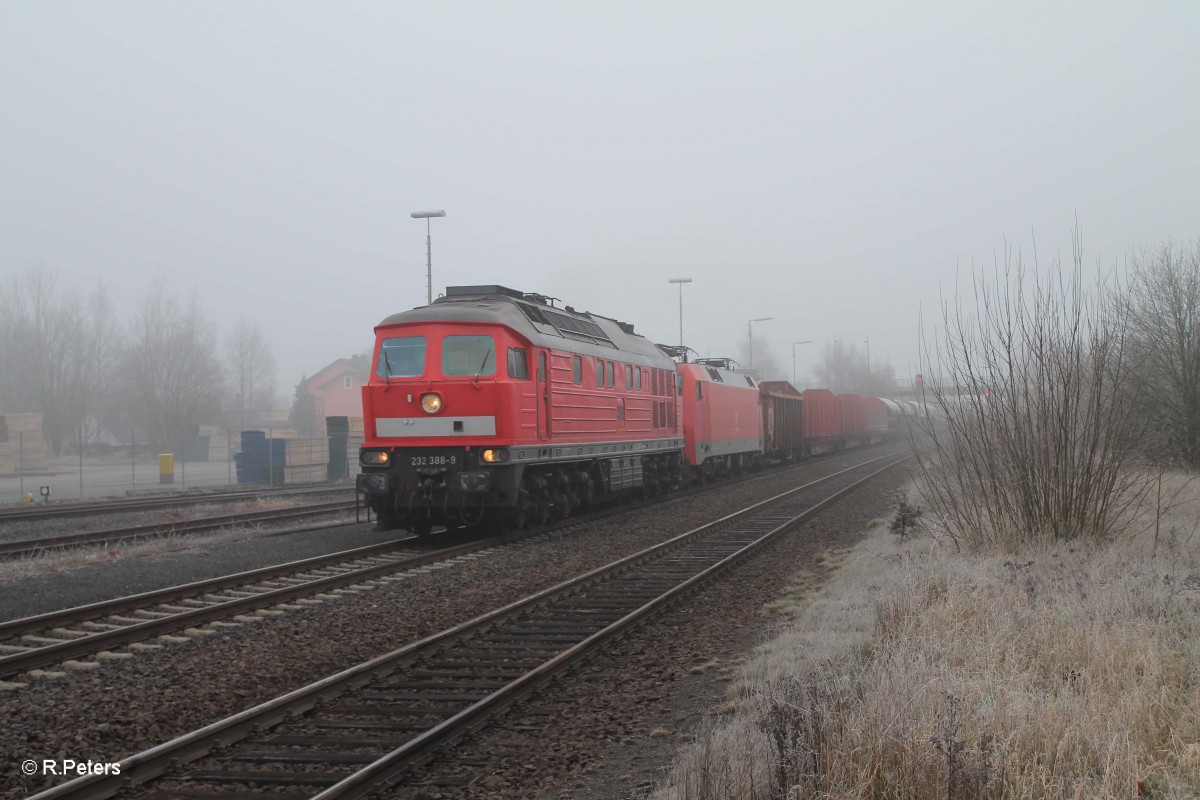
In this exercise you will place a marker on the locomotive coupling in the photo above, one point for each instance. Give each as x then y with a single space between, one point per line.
373 483
474 481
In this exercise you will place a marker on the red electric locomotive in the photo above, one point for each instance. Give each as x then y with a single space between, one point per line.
722 419
493 404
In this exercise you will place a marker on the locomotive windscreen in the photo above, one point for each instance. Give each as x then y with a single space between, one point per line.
468 355
401 357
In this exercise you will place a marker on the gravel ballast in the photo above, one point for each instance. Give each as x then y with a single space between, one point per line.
118 709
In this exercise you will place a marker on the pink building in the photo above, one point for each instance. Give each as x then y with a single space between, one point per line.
337 389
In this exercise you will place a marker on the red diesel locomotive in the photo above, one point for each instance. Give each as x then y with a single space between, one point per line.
494 404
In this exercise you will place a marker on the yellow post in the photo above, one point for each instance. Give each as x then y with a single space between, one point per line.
166 468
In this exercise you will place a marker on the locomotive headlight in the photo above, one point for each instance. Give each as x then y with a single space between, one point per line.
431 403
374 458
496 455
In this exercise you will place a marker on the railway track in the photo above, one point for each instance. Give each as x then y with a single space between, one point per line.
97 629
66 510
34 642
351 733
25 548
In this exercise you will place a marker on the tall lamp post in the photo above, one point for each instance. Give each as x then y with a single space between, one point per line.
750 336
681 282
427 215
806 341
837 366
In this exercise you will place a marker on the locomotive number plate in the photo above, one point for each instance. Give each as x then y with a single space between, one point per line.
433 460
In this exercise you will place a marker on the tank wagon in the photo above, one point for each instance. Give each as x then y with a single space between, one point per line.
493 404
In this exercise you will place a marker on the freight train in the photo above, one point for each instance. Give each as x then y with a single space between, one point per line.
494 405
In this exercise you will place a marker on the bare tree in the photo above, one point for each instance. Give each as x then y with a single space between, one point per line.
55 354
171 371
251 371
766 365
843 368
1163 311
1032 438
99 356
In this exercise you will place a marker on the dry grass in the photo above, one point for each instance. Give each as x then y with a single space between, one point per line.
60 561
57 562
1064 672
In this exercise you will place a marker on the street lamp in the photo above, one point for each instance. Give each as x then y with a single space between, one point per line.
806 341
681 282
750 337
837 365
869 382
427 215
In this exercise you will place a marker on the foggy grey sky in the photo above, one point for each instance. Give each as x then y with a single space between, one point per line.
825 164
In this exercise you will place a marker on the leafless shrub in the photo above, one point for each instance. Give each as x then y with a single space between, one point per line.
970 772
1033 435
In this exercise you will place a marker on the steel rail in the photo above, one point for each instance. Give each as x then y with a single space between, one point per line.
24 547
126 505
422 748
52 619
17 663
144 766
35 657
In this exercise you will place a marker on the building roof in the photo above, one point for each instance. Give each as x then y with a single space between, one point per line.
356 366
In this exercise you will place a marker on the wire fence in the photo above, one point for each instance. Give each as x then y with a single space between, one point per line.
218 457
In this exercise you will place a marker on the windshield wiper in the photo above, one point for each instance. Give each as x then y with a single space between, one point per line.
387 365
479 371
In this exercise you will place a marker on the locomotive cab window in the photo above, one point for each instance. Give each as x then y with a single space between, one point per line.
518 364
470 356
401 357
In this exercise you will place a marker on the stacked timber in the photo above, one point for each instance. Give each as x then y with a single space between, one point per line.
204 443
21 444
220 445
279 460
345 440
305 460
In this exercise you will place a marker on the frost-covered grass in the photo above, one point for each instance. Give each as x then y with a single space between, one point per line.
915 672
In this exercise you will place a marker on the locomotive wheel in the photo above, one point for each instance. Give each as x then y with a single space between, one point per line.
523 514
562 505
422 527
